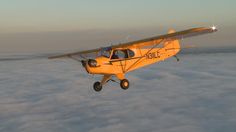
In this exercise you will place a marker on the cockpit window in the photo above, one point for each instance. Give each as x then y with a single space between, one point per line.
106 52
131 53
119 54
122 54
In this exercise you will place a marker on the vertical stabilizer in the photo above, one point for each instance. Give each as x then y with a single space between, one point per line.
171 31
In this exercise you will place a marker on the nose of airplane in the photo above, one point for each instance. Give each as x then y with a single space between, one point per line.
92 63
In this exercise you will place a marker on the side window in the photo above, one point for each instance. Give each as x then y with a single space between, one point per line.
119 54
131 53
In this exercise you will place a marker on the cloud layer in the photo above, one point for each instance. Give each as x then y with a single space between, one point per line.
196 94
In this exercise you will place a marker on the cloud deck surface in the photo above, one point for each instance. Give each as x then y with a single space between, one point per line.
196 94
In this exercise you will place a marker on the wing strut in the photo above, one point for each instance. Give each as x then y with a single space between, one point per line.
145 55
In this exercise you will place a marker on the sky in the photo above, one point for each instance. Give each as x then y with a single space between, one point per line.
57 25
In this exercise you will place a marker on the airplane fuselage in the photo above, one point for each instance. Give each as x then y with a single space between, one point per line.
142 57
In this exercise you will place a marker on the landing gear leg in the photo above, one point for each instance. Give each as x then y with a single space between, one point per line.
97 86
124 84
176 57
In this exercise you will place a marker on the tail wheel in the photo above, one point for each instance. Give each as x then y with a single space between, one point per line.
124 84
97 86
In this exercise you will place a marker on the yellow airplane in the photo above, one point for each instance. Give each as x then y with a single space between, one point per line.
120 59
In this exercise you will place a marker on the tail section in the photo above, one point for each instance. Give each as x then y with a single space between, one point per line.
171 31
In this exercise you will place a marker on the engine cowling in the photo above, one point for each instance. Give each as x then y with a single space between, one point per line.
92 63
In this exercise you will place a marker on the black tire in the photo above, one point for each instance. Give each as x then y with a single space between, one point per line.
97 86
124 84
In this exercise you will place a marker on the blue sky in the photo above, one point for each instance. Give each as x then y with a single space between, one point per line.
39 25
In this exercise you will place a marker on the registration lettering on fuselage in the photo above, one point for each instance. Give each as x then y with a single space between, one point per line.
153 55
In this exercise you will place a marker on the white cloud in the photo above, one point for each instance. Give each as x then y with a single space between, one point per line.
196 94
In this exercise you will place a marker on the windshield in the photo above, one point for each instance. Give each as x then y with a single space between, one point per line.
106 52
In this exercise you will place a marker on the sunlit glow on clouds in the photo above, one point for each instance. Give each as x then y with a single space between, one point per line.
196 94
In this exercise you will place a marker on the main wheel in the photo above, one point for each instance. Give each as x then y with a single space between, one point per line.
124 84
97 86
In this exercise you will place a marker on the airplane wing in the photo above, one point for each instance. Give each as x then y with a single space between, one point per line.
75 53
149 41
171 36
